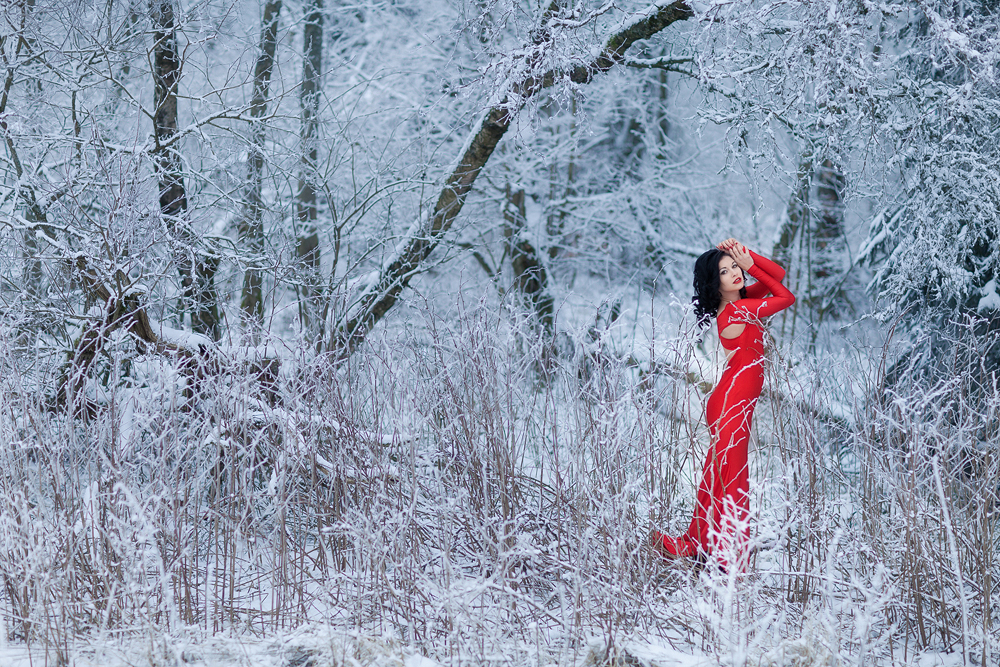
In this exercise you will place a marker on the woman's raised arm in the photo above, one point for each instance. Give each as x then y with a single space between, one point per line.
768 305
760 289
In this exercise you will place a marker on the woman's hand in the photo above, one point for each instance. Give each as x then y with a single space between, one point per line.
737 251
728 244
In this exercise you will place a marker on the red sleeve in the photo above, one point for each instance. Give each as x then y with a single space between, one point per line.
768 306
759 289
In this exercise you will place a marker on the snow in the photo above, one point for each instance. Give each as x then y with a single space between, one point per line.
419 661
180 337
325 647
663 655
321 647
990 300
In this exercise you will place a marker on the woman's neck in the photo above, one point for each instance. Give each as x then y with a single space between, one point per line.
728 298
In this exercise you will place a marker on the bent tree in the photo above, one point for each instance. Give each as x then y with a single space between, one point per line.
381 294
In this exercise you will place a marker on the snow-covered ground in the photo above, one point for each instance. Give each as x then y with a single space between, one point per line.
324 647
452 501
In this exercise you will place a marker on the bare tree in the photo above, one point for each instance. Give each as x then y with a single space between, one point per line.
23 42
827 241
195 263
530 278
797 212
815 218
309 284
251 227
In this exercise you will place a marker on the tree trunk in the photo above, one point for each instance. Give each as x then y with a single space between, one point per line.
817 220
33 273
196 266
305 199
797 213
32 266
126 310
381 296
828 242
251 227
530 279
662 119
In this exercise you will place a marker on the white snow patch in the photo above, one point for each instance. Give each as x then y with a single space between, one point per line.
186 339
318 646
416 660
990 299
662 655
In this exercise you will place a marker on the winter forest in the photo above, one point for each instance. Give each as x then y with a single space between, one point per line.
360 333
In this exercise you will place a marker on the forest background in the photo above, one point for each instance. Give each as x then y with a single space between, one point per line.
360 332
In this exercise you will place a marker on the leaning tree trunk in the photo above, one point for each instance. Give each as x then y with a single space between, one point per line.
196 265
251 227
305 199
383 293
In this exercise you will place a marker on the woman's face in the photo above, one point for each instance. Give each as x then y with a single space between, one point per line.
730 276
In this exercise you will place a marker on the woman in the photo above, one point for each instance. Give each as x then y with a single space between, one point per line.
720 522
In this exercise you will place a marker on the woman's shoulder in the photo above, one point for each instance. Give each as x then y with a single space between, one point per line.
740 308
725 312
730 305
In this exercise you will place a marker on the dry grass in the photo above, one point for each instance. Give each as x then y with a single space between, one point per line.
458 494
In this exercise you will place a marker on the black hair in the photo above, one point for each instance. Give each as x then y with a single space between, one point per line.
706 285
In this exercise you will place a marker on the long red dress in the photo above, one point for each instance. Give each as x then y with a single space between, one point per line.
720 524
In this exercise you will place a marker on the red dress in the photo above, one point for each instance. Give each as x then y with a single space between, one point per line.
720 523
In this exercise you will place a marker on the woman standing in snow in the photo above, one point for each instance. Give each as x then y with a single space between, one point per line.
720 523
